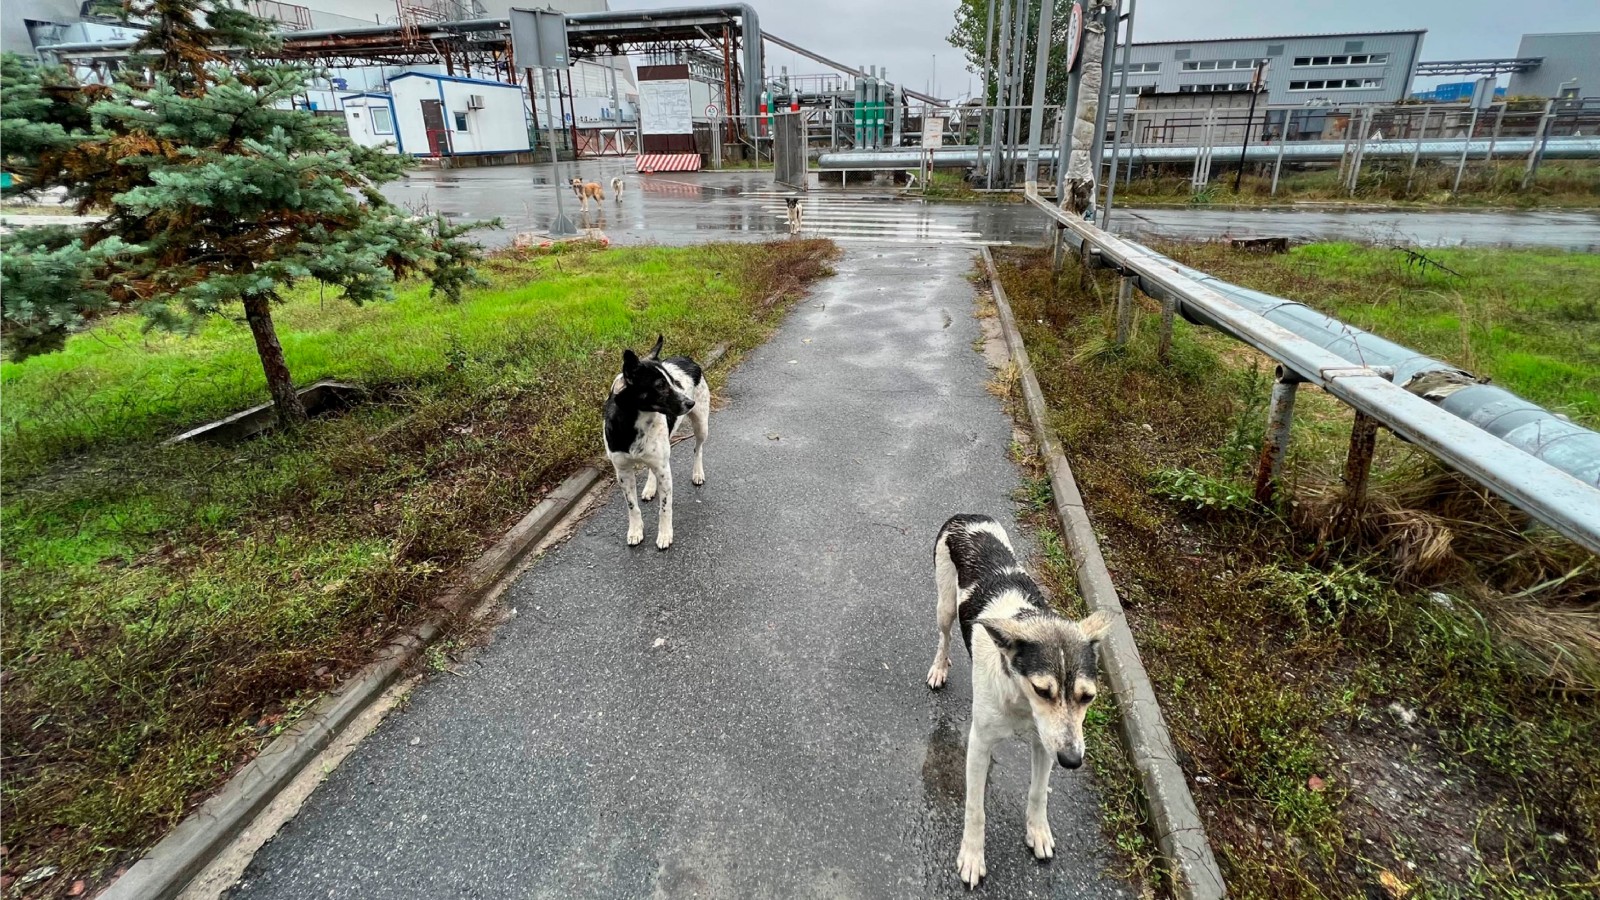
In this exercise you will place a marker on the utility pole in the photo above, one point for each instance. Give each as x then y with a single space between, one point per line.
1257 80
561 226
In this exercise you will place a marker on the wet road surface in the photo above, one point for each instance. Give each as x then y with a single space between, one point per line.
691 207
1562 229
782 742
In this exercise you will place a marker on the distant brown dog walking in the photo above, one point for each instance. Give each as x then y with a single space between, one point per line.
587 191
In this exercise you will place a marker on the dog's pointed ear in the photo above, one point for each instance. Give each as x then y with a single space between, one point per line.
1007 636
655 352
1095 626
630 361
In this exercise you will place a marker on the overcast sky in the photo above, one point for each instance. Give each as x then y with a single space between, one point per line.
908 35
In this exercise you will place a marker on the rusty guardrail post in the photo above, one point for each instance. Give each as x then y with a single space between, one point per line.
1358 461
1275 442
1357 470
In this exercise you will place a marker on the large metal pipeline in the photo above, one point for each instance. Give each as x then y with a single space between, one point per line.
1295 151
1548 472
1522 424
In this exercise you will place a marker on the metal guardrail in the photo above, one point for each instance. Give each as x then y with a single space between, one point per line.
1546 493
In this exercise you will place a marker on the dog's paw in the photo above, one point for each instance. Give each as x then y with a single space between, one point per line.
663 540
938 675
1040 840
649 492
635 534
970 866
698 479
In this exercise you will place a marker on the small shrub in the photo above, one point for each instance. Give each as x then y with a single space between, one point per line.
1324 598
1199 490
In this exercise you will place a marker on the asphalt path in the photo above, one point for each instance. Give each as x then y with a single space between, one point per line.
743 715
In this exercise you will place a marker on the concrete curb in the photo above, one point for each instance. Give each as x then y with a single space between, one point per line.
1179 832
176 859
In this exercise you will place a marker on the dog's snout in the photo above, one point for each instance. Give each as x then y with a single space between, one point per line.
688 405
1069 759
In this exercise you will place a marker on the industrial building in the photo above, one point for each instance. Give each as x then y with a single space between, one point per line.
440 115
1303 70
1568 66
596 97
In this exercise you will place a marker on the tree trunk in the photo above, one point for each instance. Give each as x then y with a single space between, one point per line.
1080 168
258 312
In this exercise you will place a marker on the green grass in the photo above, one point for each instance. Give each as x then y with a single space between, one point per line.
1277 649
168 609
1559 184
1527 319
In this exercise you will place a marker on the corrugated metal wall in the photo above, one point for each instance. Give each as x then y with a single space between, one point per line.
1567 57
1395 72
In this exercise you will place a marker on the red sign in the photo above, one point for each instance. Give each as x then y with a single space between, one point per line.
1074 35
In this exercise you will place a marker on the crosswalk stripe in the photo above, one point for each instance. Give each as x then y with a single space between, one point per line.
868 220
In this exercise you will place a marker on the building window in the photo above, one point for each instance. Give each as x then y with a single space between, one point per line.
1352 46
461 121
1213 88
382 120
1337 84
1143 68
1358 59
1274 49
1210 65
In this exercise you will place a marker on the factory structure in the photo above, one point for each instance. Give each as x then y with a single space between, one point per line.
596 97
680 87
1568 67
1305 69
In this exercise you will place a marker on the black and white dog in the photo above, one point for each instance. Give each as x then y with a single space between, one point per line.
795 213
647 400
1033 672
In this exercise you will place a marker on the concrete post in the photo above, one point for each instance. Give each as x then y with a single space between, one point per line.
1169 309
1417 153
1360 152
1125 310
1539 140
1277 166
1494 136
1461 165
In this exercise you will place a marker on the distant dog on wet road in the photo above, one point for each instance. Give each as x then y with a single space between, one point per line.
587 190
1033 672
616 188
794 214
648 397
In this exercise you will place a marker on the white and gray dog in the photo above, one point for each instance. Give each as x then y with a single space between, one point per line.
647 399
617 185
1033 672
